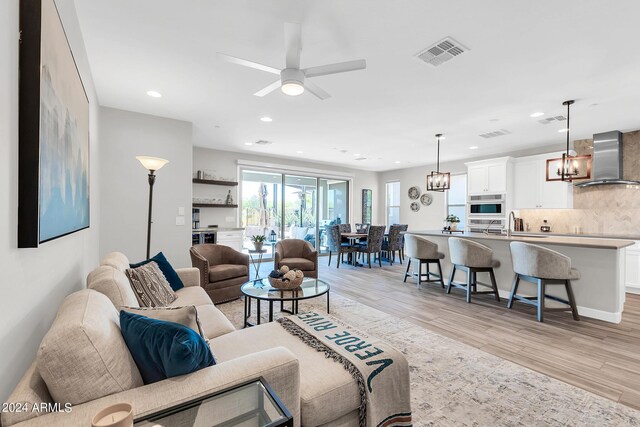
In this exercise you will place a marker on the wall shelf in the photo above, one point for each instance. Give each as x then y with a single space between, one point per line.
213 205
214 182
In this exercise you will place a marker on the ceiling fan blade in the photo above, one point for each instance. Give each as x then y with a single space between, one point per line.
267 90
340 67
316 90
247 63
292 44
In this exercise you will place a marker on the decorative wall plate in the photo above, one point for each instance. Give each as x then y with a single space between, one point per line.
415 206
414 193
426 199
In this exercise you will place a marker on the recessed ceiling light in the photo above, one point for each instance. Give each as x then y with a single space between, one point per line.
356 154
397 161
473 147
266 119
537 114
248 143
563 130
299 151
154 94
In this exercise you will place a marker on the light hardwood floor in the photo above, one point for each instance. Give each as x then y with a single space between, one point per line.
597 356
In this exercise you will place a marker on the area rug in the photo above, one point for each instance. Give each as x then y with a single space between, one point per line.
453 384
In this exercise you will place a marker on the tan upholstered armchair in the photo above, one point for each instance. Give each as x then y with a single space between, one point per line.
222 270
296 253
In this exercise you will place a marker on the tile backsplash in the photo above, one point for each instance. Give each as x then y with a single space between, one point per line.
614 221
609 209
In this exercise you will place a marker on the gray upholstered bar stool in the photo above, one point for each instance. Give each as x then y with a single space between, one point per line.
543 267
425 252
473 258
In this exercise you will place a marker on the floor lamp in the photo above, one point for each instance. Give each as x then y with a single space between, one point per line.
152 164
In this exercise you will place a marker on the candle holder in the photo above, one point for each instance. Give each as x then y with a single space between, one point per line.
118 415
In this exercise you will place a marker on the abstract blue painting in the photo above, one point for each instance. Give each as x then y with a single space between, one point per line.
54 132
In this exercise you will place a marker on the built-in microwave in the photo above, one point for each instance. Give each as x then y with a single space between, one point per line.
486 205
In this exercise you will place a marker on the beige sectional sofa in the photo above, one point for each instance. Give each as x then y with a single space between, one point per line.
84 360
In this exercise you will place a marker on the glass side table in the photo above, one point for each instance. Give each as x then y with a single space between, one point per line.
251 404
256 259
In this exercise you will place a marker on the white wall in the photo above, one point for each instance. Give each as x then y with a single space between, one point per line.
225 163
125 196
428 217
35 281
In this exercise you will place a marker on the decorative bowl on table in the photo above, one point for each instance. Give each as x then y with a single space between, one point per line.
284 278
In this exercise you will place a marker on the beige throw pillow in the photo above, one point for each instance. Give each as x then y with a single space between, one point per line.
186 315
150 286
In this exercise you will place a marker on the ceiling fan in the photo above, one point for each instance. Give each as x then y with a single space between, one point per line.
293 81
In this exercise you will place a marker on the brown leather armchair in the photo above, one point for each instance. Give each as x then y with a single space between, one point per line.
296 253
222 270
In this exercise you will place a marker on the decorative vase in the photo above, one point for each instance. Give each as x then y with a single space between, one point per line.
454 226
258 245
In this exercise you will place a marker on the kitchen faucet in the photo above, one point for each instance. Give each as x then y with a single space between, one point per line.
511 214
486 230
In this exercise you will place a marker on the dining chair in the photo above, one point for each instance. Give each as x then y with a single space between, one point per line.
373 245
335 244
394 242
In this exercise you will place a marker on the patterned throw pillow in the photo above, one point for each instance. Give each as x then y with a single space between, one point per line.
186 315
150 286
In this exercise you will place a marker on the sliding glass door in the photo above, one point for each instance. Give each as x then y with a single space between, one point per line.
283 206
261 207
333 207
300 202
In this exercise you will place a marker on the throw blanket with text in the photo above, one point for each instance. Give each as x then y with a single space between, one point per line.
382 372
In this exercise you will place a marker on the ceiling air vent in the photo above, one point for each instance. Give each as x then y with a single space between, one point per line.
552 119
496 133
263 142
442 51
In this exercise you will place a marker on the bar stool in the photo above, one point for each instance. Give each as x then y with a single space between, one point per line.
542 266
473 258
425 252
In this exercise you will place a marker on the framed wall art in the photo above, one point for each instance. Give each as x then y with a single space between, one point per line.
53 164
367 203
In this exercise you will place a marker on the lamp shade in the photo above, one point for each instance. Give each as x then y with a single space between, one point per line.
152 163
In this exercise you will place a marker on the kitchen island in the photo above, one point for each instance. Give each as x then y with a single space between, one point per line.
600 292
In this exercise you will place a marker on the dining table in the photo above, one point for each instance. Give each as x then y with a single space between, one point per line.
354 237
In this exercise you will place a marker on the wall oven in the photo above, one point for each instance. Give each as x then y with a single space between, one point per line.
486 205
486 225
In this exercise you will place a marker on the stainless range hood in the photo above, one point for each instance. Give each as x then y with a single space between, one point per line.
607 161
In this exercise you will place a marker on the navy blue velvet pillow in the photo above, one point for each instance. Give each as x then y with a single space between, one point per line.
162 349
166 268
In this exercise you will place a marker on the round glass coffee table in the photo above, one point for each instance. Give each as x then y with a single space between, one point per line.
261 290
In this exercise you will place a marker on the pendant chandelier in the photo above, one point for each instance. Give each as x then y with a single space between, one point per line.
568 167
438 181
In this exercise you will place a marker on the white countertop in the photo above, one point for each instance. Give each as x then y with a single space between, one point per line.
539 238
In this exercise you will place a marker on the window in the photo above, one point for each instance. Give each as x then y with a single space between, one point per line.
393 203
457 198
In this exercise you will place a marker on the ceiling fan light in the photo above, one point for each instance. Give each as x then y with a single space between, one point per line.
292 88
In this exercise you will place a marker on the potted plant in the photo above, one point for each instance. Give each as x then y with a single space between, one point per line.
452 222
258 240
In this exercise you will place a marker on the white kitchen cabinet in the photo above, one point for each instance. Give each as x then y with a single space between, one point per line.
231 238
531 189
488 176
632 269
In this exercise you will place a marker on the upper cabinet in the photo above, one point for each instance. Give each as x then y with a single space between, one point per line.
531 190
488 176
